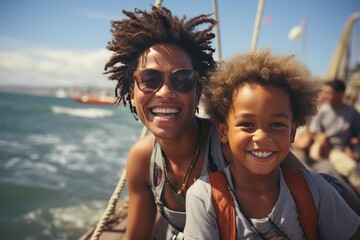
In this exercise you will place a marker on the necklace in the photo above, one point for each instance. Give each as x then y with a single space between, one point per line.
178 195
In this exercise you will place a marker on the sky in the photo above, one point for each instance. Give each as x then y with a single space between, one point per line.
63 43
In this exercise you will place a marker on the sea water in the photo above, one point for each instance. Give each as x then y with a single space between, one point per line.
59 163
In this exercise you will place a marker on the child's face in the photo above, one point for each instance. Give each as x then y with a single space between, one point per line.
259 128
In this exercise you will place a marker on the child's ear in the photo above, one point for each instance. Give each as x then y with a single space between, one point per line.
222 129
293 132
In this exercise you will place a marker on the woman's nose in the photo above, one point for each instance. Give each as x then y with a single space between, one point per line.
165 90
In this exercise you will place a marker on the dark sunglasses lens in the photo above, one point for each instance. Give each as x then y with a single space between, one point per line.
149 80
183 80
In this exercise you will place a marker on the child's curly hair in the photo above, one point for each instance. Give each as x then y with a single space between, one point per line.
142 29
259 67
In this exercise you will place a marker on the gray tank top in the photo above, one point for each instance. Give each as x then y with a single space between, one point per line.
213 161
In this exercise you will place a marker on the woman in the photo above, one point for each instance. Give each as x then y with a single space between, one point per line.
160 63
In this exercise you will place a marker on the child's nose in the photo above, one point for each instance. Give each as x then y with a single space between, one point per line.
260 135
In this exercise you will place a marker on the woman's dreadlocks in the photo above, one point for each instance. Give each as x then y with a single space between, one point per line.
132 36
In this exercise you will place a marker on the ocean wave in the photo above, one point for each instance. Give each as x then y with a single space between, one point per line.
79 216
28 164
12 144
82 112
41 139
65 222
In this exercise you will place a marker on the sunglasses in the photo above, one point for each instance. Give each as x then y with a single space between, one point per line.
182 80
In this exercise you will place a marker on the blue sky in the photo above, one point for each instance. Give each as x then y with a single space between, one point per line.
63 43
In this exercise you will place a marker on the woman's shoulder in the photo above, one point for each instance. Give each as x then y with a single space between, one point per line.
138 160
143 145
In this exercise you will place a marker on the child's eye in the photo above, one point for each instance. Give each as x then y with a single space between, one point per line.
245 124
278 124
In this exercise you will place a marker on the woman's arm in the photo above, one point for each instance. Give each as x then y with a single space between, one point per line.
142 207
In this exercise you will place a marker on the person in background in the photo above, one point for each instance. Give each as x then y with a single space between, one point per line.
301 145
258 101
336 130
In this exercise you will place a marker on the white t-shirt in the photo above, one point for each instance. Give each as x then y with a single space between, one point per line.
336 219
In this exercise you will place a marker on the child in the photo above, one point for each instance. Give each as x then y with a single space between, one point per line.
258 101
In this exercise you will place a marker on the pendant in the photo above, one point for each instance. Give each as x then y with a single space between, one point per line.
178 197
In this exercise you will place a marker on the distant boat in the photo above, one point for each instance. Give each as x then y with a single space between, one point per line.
61 93
94 99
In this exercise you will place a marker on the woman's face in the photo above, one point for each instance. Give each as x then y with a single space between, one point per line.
165 112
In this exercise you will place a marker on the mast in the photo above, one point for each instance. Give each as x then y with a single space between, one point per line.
341 49
257 25
218 47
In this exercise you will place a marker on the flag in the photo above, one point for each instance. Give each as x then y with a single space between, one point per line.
297 32
266 20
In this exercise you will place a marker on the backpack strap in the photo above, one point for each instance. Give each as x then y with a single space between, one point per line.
223 204
305 205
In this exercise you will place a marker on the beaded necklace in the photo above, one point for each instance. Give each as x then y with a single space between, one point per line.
178 195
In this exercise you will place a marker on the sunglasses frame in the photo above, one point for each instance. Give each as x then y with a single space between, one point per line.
137 72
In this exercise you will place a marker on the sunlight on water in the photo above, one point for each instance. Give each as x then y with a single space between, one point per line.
80 112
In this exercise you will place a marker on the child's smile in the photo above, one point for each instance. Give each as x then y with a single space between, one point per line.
259 127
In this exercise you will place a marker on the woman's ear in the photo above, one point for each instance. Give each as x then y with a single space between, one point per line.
132 99
222 129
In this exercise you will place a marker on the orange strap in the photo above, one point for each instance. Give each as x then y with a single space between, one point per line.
224 205
304 201
300 191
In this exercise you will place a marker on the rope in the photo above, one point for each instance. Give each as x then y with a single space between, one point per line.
113 200
110 208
